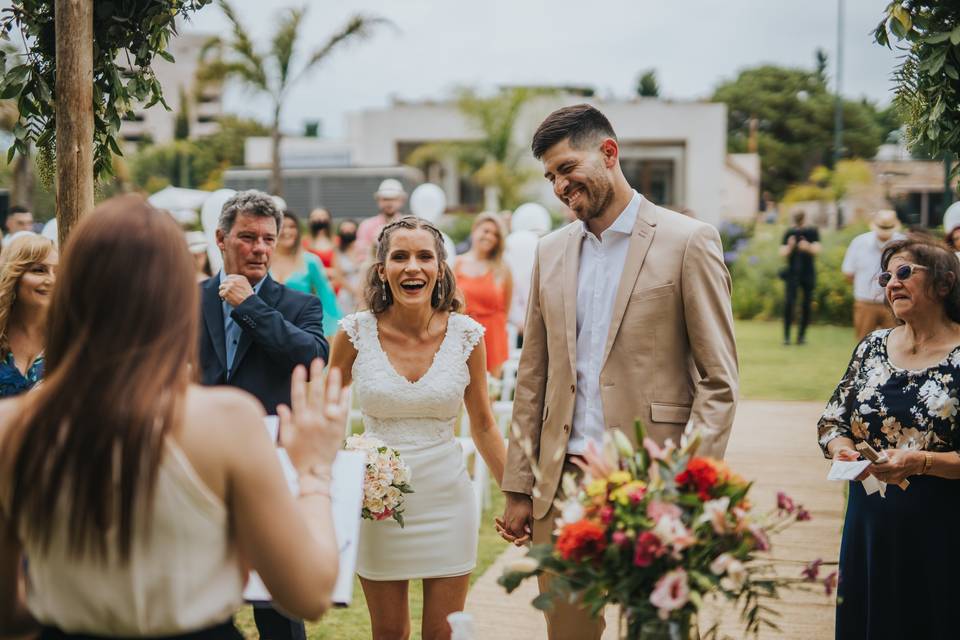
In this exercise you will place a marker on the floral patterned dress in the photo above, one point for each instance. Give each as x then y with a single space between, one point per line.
898 561
12 382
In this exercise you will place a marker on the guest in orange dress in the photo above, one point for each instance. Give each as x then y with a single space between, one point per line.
321 244
487 286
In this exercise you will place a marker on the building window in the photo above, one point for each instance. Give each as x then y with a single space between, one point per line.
655 179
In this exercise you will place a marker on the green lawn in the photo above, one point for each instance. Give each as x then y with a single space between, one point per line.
769 370
354 622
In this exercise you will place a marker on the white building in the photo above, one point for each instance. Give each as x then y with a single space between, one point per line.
672 152
177 79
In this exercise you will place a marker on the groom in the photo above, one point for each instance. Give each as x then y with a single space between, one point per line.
628 319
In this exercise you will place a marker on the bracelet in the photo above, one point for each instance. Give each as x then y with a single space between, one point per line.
927 462
311 485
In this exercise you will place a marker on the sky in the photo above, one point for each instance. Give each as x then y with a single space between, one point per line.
438 45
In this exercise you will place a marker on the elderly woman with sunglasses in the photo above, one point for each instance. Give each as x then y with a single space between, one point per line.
898 562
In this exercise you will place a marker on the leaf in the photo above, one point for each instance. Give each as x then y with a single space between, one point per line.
936 38
951 71
543 602
955 36
901 16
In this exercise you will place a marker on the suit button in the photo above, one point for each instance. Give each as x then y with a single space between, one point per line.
573 388
566 428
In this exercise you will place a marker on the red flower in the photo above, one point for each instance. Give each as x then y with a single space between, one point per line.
812 570
647 550
700 475
606 514
785 502
581 540
830 583
802 514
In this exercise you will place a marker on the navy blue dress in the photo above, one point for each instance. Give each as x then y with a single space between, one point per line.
899 562
12 382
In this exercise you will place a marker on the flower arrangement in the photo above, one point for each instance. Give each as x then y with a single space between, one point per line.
386 480
656 530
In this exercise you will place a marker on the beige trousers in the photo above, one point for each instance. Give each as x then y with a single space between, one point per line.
564 621
870 316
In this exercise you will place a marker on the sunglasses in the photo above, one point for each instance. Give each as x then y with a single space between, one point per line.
903 272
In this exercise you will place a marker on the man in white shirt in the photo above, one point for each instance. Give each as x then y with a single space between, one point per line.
628 319
861 266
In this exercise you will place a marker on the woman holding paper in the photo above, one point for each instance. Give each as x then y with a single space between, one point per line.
414 361
139 498
898 562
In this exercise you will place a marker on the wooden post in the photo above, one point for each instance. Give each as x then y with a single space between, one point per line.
74 94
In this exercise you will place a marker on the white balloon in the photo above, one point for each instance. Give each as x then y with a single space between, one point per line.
50 231
209 215
428 201
520 250
531 216
951 218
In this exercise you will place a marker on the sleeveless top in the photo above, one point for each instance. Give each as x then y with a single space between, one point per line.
405 413
487 304
184 573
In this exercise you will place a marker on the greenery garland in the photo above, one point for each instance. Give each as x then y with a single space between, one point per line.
928 78
127 34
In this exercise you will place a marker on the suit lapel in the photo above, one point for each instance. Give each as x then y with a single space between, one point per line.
212 308
640 239
571 269
270 294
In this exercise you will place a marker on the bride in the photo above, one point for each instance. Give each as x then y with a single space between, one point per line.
413 360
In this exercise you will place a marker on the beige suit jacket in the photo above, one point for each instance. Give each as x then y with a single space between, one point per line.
669 357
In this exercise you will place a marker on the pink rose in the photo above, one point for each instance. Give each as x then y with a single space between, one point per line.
648 548
657 509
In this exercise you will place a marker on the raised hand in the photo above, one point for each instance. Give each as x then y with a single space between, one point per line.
312 432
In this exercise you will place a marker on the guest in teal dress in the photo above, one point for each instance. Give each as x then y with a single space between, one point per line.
303 271
27 276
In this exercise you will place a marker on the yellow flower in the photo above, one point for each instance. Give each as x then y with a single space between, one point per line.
620 477
597 488
622 494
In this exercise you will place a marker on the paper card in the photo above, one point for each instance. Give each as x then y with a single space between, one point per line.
847 470
871 485
346 492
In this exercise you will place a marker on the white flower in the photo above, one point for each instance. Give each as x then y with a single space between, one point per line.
715 512
392 495
572 511
736 576
865 409
671 531
523 565
834 411
719 564
375 505
910 439
623 443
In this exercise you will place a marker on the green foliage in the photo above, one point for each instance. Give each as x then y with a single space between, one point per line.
794 118
647 85
758 292
127 34
493 160
206 158
928 77
827 184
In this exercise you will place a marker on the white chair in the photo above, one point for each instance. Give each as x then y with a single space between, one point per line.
508 379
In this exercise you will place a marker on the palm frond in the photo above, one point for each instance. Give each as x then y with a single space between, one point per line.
359 27
284 41
242 47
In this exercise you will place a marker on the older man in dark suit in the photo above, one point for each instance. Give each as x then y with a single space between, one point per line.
256 330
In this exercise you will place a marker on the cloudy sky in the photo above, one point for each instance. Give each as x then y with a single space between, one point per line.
441 44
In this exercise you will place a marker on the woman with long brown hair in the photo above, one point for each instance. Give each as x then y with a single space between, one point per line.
27 275
414 362
140 498
487 286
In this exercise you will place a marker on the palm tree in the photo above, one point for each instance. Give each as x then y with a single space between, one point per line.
271 72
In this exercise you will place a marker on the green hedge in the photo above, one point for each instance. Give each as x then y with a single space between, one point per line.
758 291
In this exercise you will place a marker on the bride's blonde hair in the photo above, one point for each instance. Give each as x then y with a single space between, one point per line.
22 253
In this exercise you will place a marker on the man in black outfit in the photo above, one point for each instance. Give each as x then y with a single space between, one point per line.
800 245
255 331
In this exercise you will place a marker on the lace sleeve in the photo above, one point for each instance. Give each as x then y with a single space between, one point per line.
470 334
351 326
835 421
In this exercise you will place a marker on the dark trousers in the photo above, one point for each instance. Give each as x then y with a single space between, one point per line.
805 286
273 625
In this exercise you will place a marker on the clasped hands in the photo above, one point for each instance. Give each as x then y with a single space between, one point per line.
900 464
235 289
515 525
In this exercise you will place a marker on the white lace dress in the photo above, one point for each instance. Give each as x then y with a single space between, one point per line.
439 538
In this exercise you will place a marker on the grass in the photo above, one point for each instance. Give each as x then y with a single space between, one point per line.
769 370
354 621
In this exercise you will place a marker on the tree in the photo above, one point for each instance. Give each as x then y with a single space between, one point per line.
647 86
794 119
927 91
494 161
271 72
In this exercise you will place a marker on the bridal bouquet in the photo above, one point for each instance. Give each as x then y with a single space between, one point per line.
387 479
655 531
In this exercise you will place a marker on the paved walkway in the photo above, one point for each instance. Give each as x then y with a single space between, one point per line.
773 443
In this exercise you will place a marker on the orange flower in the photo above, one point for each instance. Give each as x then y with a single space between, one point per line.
581 540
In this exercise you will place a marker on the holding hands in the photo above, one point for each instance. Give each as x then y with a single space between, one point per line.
515 525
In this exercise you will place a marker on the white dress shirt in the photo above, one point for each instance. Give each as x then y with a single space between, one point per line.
862 261
601 265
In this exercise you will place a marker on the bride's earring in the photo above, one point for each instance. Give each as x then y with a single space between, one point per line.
383 291
439 290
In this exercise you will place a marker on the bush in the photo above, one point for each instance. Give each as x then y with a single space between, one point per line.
758 291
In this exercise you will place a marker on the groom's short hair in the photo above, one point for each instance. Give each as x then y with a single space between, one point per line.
580 124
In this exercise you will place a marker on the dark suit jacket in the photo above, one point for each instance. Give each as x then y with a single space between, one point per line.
281 328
